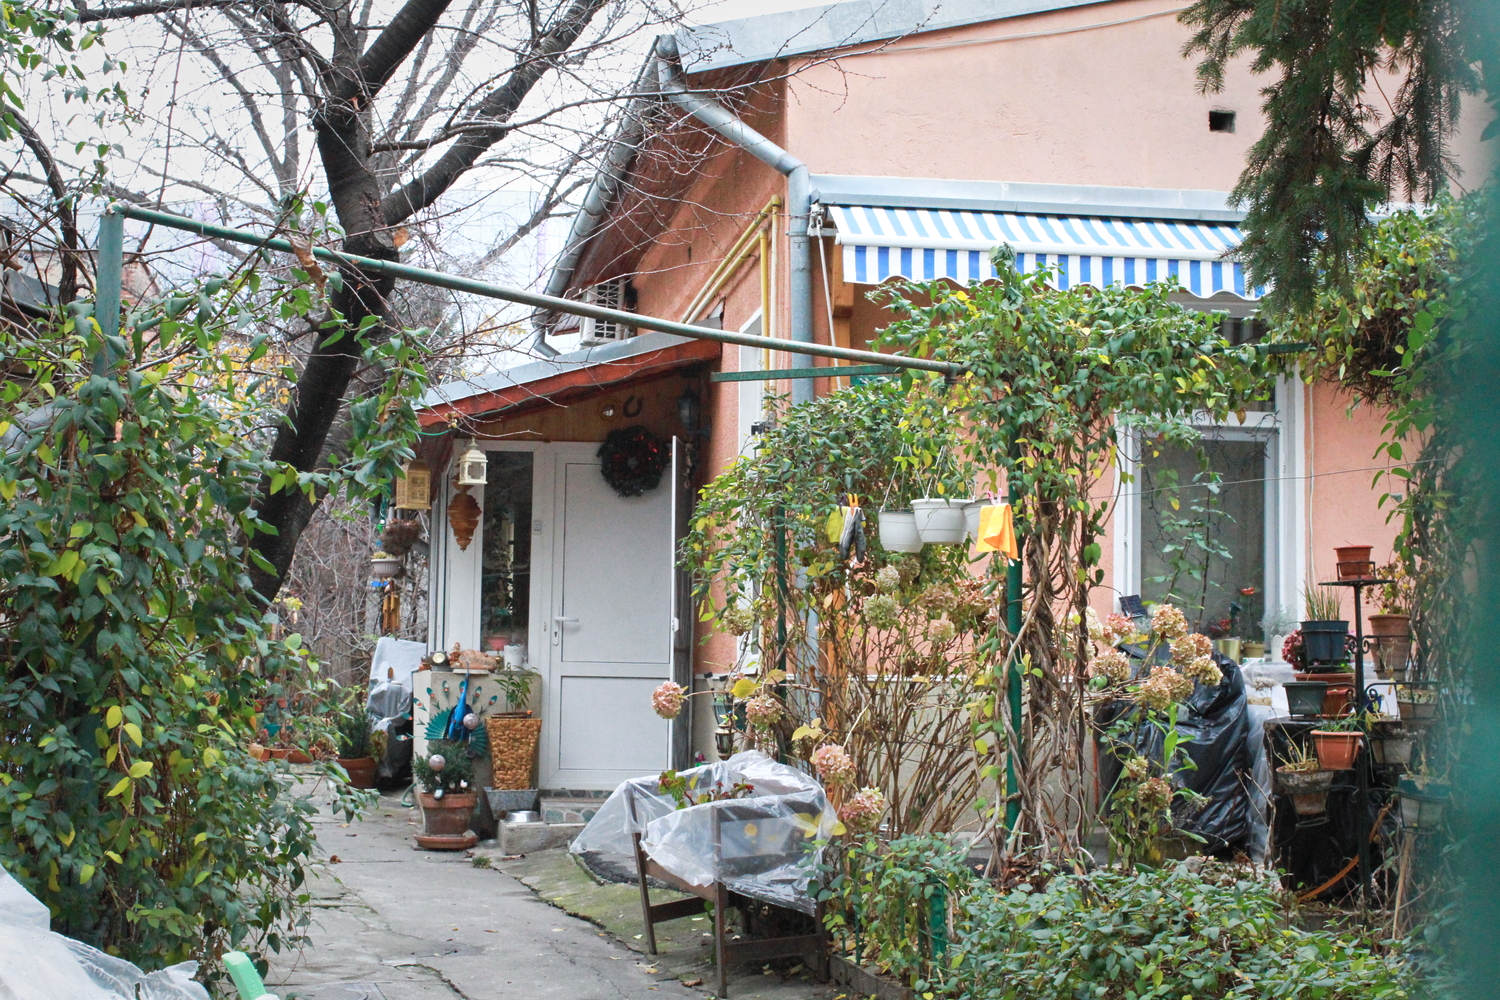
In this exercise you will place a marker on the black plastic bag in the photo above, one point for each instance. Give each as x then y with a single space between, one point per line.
1217 722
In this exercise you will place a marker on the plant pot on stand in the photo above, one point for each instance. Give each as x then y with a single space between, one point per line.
1337 748
1308 790
1391 643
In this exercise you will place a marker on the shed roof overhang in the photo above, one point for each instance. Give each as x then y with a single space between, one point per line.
563 379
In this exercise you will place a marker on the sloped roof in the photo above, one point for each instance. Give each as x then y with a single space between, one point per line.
840 25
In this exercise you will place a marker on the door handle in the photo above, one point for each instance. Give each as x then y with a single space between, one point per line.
557 627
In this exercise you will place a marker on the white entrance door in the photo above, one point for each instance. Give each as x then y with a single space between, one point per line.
610 629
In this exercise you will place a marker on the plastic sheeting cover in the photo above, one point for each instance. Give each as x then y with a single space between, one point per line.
38 964
763 846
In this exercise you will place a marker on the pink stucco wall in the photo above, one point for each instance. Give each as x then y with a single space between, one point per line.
1112 105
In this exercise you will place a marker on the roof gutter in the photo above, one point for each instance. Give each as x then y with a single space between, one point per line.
799 189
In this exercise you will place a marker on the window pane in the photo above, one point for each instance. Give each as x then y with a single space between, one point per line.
1206 553
505 581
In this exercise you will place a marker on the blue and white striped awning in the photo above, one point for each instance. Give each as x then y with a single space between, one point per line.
924 243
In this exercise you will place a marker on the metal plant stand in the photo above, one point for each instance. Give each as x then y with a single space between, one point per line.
1362 702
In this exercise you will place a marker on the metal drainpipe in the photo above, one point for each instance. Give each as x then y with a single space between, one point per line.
799 192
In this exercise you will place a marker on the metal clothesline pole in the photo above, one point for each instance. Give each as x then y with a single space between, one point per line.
117 212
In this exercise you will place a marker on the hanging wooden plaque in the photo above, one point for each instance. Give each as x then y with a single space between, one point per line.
463 518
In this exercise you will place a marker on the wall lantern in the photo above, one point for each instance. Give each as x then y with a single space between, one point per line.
414 487
471 466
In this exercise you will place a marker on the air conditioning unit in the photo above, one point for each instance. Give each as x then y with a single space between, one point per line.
610 294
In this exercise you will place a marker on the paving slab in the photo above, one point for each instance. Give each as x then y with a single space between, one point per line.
391 922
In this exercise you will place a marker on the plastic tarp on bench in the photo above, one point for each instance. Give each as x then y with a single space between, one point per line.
765 846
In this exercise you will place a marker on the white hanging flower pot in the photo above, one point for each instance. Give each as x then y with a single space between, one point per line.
972 510
898 531
941 521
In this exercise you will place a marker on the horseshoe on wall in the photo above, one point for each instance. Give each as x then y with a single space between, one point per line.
637 402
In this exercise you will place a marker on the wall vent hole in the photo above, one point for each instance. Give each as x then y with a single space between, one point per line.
1221 121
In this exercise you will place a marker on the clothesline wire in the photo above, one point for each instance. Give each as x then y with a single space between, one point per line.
1266 479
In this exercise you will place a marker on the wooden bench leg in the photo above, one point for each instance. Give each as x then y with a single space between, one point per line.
721 936
640 879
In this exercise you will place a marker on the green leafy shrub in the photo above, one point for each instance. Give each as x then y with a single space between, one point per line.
136 654
1209 934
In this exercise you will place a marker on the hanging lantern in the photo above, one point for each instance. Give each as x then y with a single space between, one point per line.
463 518
471 466
414 488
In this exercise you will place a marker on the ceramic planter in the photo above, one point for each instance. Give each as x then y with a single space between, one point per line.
897 531
940 521
1339 694
383 567
445 821
1308 790
1392 645
361 771
1417 713
1390 744
1422 803
514 738
1336 750
1354 562
971 517
1254 650
1324 641
1305 697
1229 648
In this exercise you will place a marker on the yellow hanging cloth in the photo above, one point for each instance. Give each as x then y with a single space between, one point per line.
835 526
997 531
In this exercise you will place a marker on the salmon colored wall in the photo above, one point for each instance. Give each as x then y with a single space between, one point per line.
1343 506
1116 106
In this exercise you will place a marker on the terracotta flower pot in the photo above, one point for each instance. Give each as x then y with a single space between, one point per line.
1392 645
1339 694
445 821
361 771
1417 713
1353 553
1336 750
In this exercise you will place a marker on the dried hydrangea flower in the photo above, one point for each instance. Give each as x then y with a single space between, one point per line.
1117 628
882 611
1191 647
1137 768
887 579
738 620
1096 627
1155 793
833 764
1204 670
1163 688
763 711
667 699
943 630
862 812
1112 665
1168 622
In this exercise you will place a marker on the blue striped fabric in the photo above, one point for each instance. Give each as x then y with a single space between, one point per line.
923 244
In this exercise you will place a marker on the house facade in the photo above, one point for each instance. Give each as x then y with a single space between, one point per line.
788 165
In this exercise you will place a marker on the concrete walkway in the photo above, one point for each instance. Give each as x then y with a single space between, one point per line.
394 923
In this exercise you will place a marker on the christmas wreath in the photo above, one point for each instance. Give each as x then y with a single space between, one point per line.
632 459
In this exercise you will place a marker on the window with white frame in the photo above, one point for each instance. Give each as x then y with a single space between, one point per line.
1217 527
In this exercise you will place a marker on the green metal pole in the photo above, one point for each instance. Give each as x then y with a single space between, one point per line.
108 281
550 303
1013 669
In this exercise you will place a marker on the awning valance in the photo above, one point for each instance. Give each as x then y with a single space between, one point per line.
925 243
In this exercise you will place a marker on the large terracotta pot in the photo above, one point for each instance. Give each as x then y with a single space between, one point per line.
361 771
1308 790
1392 634
445 821
1337 750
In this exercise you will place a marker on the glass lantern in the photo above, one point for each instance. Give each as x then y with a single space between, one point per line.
414 488
471 466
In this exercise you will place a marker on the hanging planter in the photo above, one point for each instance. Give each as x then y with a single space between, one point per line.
1422 803
1308 790
1305 697
1417 707
1325 641
897 530
941 521
383 565
1337 749
1391 745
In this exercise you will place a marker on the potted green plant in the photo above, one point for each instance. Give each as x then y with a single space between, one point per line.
448 797
355 755
1324 633
1301 778
1338 743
